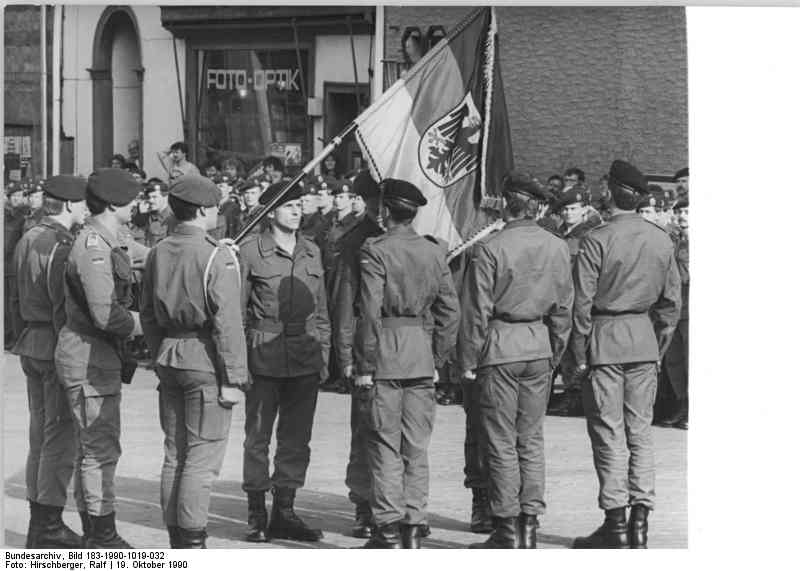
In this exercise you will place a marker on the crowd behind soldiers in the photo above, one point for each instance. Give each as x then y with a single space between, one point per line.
319 294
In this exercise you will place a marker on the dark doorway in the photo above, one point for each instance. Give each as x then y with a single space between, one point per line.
341 107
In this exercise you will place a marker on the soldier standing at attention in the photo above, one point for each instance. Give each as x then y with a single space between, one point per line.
87 356
35 196
288 341
516 319
191 317
625 274
407 324
14 219
39 263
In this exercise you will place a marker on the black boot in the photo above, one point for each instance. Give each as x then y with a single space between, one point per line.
527 531
174 536
504 536
364 525
681 415
86 527
53 532
613 534
256 518
410 536
104 533
385 537
637 527
33 525
481 520
424 530
285 523
190 539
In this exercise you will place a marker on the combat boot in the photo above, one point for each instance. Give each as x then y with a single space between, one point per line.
33 525
409 535
385 537
637 527
174 536
86 527
256 518
504 536
613 534
481 519
285 523
192 539
364 525
104 533
53 532
527 531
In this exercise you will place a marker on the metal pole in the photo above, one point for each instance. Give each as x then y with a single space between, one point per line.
355 67
180 89
337 140
43 64
58 23
377 84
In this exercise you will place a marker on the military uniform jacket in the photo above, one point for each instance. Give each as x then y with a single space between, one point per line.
572 236
38 299
407 307
313 226
12 232
245 216
681 241
517 298
625 273
287 327
332 248
97 288
184 328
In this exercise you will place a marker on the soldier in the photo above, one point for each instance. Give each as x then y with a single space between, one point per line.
250 208
345 290
35 196
408 320
39 267
191 317
625 274
516 308
158 221
228 207
88 355
288 341
13 222
682 182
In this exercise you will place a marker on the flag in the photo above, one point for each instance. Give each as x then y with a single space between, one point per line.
444 128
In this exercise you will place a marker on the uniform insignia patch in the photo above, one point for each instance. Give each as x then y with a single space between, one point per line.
98 260
92 240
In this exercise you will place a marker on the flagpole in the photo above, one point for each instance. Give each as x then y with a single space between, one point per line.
335 142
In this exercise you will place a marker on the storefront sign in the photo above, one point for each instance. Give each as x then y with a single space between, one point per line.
258 80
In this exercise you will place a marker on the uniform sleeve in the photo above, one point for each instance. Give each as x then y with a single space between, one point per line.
322 320
446 317
559 319
55 285
227 329
246 286
153 333
585 274
12 273
476 307
343 313
370 301
95 271
667 310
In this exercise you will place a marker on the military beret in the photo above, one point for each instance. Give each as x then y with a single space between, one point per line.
247 184
627 177
647 201
13 187
279 194
578 193
682 173
403 192
341 186
114 186
66 187
364 185
196 189
156 185
325 182
682 203
523 184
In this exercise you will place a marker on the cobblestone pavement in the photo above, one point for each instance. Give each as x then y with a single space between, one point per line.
571 482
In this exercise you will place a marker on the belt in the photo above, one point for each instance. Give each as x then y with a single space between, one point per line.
603 314
38 324
397 322
89 330
495 322
288 328
190 334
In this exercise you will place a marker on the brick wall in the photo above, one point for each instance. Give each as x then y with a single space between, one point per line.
584 85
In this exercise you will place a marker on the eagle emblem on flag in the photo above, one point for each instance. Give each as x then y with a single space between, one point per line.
449 148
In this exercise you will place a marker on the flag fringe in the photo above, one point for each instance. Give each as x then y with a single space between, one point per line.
488 76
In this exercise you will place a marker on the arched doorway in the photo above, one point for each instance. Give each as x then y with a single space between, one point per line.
116 85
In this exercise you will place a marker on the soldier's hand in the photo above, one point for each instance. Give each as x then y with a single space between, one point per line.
581 371
435 375
469 376
137 325
363 381
229 396
230 243
347 372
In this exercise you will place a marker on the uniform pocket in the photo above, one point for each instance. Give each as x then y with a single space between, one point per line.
215 419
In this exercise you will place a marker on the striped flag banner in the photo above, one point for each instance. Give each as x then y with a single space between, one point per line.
444 128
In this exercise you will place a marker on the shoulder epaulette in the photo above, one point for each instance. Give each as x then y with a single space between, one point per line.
92 239
657 225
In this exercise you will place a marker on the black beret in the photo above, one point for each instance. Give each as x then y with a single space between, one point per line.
278 190
578 193
627 177
114 186
326 182
403 192
341 186
523 184
364 185
682 173
66 187
646 201
196 189
682 203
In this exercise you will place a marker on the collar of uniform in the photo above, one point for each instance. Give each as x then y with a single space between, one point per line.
625 215
104 232
401 230
185 229
267 245
53 223
522 222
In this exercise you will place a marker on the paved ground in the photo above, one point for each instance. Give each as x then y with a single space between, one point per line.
571 494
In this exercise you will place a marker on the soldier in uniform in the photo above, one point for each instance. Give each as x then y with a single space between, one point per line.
88 354
35 196
516 310
627 303
12 231
682 182
408 321
288 341
191 317
158 221
250 208
39 267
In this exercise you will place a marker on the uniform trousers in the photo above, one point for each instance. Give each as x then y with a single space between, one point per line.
358 479
618 401
196 431
400 423
51 435
476 469
293 401
676 360
513 405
